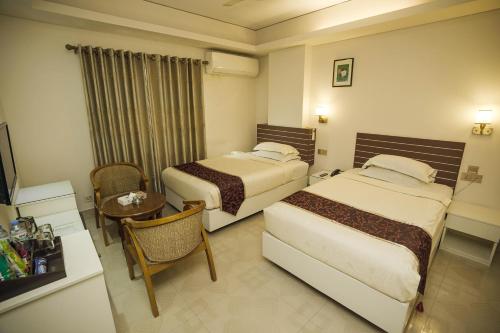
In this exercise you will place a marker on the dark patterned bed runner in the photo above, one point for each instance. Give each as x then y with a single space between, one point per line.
231 188
412 237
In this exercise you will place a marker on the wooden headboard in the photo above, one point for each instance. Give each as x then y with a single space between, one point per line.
445 156
303 139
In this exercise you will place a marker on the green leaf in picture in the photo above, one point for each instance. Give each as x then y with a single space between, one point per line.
342 73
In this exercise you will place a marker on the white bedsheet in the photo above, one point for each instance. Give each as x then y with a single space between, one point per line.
258 175
387 267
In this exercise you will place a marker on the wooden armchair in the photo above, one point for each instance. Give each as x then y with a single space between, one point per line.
112 179
158 244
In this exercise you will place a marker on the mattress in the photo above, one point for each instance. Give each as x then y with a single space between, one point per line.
385 266
258 174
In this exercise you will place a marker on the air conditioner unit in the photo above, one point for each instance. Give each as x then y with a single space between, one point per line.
230 64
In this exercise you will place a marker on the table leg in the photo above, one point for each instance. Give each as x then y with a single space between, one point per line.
120 230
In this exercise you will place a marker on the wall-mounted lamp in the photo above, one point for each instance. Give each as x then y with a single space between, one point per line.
483 119
321 112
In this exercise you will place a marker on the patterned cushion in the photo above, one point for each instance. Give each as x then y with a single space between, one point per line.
117 179
172 240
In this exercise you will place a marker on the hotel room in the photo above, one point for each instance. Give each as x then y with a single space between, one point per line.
249 166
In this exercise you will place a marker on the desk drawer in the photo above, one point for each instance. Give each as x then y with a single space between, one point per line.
64 223
48 207
473 227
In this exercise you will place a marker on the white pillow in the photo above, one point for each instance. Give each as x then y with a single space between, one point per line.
407 166
276 147
276 156
390 176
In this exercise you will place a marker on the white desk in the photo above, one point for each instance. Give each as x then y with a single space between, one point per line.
77 303
45 199
52 203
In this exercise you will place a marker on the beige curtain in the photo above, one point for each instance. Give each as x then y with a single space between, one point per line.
144 109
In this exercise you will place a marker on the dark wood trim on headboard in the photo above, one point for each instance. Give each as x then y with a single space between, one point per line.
445 156
303 139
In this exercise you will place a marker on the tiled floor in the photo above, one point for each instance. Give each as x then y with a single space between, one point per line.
254 295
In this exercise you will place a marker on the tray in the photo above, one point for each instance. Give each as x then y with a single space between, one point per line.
55 271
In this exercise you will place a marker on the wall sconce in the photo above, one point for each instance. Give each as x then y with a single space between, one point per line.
483 118
321 112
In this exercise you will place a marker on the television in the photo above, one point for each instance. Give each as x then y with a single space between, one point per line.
8 174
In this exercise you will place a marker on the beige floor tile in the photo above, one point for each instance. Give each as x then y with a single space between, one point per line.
248 311
331 318
180 319
299 295
463 283
417 322
471 317
134 313
255 295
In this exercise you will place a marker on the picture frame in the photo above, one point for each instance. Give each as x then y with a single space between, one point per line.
342 72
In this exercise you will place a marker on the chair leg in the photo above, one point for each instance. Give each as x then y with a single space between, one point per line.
151 293
96 216
130 263
210 260
102 222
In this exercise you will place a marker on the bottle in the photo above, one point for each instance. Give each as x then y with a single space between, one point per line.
17 231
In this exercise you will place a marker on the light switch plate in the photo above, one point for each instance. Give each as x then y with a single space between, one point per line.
322 151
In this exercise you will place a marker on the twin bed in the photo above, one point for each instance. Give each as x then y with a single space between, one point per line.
363 241
265 181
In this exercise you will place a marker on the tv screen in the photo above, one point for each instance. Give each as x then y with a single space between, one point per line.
7 168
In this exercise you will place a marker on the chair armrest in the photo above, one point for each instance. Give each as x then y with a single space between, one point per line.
191 204
164 220
97 197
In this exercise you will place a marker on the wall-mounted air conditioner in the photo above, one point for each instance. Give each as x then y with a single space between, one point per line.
230 64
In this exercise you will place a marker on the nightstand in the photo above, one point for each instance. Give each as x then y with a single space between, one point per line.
319 176
471 231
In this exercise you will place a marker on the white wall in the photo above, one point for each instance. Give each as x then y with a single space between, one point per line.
43 101
288 86
426 82
262 90
230 114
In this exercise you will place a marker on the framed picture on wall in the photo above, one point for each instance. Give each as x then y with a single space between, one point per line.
342 72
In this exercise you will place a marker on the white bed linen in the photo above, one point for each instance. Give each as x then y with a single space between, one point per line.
258 175
387 267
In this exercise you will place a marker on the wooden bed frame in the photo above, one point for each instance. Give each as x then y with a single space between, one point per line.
378 308
444 156
303 139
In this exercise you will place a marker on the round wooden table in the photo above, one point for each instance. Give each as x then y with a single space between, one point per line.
151 207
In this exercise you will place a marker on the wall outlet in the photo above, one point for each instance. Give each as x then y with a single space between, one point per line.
472 177
322 151
88 198
473 169
472 174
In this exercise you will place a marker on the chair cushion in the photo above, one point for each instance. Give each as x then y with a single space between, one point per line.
170 241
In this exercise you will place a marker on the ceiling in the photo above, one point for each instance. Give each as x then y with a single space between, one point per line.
250 14
314 25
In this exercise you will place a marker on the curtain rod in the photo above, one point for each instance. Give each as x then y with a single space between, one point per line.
70 47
